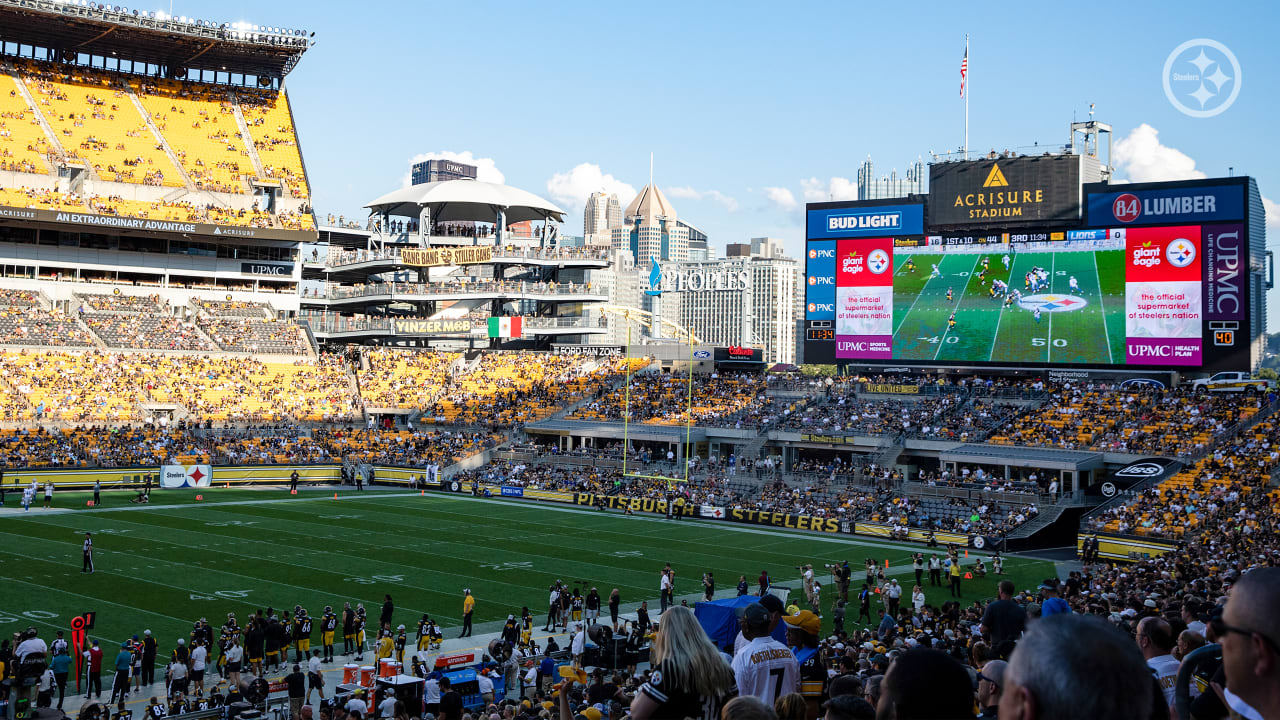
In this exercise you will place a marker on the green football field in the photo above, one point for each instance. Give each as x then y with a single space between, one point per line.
160 567
1084 325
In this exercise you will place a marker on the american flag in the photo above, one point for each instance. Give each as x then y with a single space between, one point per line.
964 69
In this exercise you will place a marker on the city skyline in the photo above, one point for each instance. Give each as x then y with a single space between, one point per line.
762 110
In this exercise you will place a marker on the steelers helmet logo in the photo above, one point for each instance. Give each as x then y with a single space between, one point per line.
655 677
1180 253
878 261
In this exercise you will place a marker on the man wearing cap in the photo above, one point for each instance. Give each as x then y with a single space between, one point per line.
124 661
763 668
770 603
357 704
803 629
1052 604
468 606
990 678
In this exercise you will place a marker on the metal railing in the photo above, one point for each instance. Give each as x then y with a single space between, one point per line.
339 324
484 287
338 258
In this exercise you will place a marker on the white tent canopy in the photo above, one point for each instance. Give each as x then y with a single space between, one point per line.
466 200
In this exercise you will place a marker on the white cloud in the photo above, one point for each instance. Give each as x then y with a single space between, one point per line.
836 188
726 201
486 168
1272 209
571 189
1141 158
781 197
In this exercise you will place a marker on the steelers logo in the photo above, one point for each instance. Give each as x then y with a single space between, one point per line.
878 261
1180 253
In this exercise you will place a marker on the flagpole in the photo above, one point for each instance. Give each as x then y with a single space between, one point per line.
966 97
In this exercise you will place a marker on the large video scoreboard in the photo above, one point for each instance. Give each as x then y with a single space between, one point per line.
1152 276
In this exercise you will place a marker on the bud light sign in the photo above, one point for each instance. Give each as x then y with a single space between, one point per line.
865 221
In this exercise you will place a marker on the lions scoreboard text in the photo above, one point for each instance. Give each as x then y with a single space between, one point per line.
1150 276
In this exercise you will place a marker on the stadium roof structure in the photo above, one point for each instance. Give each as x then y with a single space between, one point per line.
1013 456
70 28
467 200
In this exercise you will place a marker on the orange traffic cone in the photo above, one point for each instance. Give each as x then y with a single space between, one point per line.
335 496
200 497
293 491
966 554
968 576
90 503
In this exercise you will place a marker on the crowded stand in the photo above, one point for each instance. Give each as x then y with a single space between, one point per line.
1142 420
663 398
233 308
200 125
255 336
146 332
270 123
33 325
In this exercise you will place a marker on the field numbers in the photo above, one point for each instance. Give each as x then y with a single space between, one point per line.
222 594
6 618
950 339
627 553
389 578
359 580
103 531
231 523
1040 342
501 567
339 517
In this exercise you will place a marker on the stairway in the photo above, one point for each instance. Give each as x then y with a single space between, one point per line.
247 139
162 143
1046 518
39 115
751 452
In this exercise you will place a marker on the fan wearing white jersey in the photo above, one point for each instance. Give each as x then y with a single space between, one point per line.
764 668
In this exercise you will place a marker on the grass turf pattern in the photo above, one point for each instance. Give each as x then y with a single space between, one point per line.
161 567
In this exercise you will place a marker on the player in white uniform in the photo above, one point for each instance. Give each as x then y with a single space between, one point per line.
935 273
1005 260
1075 286
764 668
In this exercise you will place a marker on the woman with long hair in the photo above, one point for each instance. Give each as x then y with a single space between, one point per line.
690 677
615 601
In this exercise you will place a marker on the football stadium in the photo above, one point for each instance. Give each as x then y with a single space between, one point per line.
256 461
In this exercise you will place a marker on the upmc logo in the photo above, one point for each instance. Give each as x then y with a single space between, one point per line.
1126 208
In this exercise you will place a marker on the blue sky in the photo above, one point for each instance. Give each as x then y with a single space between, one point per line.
742 101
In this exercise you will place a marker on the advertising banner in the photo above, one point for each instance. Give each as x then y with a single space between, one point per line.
435 257
148 225
820 281
613 502
786 520
1226 301
509 491
185 476
1162 296
865 221
1152 469
406 326
550 495
1191 204
590 350
1018 190
864 299
711 511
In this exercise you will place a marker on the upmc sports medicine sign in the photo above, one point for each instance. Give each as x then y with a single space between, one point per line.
1005 191
1168 206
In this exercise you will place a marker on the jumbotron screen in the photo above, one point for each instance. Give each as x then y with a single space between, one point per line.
1113 296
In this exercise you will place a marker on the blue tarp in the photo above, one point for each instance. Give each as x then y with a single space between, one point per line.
719 618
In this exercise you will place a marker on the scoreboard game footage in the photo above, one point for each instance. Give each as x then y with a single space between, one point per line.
1110 291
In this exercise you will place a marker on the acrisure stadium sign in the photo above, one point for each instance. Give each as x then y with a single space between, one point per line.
1005 191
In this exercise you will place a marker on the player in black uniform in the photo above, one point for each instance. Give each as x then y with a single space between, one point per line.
301 635
328 623
255 637
424 639
401 640
361 620
226 635
348 629
157 710
271 640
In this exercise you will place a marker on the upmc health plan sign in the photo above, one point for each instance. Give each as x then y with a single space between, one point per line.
864 299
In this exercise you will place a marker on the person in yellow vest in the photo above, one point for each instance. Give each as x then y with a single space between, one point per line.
385 646
468 606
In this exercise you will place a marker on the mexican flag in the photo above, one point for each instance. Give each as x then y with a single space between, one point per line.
504 327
